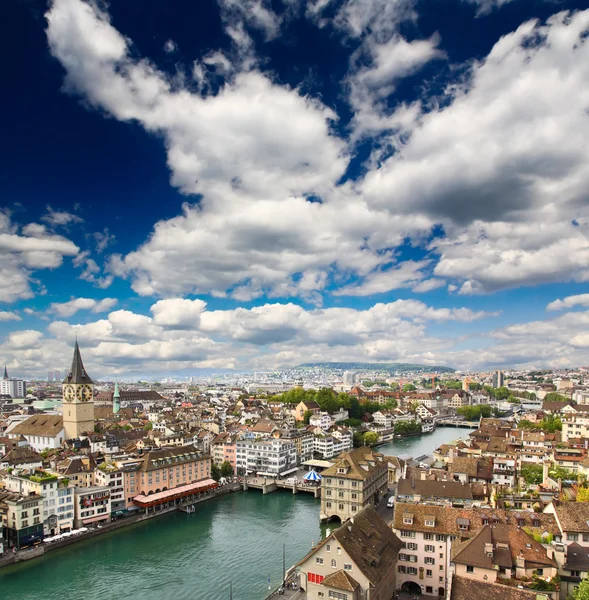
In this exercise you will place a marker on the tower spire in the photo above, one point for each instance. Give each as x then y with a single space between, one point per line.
77 372
5 373
116 399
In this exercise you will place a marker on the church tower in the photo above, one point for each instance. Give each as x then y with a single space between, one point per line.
116 399
78 399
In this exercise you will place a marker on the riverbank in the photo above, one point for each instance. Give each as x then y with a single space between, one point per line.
236 539
44 548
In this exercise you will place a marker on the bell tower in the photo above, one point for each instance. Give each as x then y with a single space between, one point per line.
78 399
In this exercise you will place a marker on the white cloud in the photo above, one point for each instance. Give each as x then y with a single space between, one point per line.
26 338
22 254
103 239
57 218
91 270
428 285
405 274
178 312
70 308
9 316
170 46
507 179
569 302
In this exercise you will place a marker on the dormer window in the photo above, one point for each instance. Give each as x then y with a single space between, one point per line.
430 521
463 524
340 470
407 519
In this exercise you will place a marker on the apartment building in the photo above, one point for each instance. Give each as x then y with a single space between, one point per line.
357 479
20 519
57 493
573 521
503 552
504 471
273 458
575 425
356 562
111 476
92 505
223 450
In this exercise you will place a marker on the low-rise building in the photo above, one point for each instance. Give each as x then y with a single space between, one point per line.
41 432
357 561
111 476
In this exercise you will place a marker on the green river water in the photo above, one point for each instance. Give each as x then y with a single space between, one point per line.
236 538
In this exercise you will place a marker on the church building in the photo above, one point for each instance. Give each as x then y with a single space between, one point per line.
78 399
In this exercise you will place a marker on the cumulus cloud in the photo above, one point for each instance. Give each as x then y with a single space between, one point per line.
9 316
70 308
506 178
60 218
23 253
569 302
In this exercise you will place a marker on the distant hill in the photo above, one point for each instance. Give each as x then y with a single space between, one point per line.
392 367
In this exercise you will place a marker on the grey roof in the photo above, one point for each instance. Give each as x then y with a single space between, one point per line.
77 372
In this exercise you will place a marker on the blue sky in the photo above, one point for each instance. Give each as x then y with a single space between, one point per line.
255 184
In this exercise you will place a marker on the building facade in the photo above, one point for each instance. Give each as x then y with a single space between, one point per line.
359 478
272 458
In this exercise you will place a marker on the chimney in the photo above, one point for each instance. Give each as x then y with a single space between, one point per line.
489 549
550 552
423 475
545 466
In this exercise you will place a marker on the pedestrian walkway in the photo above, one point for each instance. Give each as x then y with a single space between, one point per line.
289 592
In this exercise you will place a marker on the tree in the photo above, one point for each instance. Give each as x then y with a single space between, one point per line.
215 472
358 439
407 427
474 413
148 426
226 469
554 397
371 438
583 494
307 416
532 474
409 387
582 592
525 424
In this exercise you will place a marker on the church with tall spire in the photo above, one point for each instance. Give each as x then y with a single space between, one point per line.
78 399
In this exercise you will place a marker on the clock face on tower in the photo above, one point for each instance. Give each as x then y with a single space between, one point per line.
85 393
69 393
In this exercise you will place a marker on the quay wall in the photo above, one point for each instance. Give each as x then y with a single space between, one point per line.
11 558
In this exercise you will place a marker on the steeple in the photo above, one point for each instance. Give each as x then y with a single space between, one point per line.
5 373
77 372
116 399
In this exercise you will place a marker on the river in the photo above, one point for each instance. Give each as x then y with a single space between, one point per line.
237 537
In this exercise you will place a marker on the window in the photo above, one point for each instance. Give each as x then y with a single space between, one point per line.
411 546
318 560
428 536
328 504
341 506
341 494
428 589
402 569
313 578
412 570
347 567
328 547
441 567
407 520
354 508
409 534
540 572
429 573
440 537
469 569
585 537
338 595
429 523
430 548
429 560
441 555
572 537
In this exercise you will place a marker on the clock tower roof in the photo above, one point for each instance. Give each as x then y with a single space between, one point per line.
77 372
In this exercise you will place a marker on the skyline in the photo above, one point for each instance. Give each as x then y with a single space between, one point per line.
253 185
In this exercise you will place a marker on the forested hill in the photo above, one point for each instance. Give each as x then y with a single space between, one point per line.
393 367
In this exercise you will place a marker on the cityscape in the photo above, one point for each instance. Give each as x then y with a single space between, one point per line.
295 297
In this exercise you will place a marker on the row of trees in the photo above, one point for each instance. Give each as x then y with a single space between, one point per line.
550 424
331 402
407 427
225 470
474 413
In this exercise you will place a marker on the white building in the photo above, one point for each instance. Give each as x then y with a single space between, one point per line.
108 475
322 420
349 378
92 505
274 458
383 418
58 497
15 388
41 431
